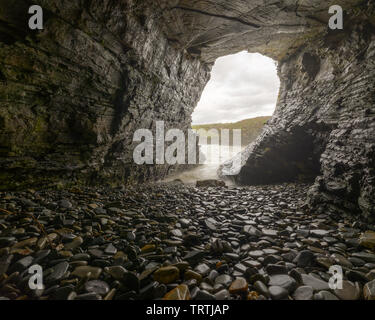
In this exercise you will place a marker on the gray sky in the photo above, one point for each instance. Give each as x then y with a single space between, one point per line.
243 85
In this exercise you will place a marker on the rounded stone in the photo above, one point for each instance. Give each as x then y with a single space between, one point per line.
367 240
304 259
148 248
303 293
261 288
369 290
117 272
181 292
84 271
284 281
204 295
167 274
223 279
190 274
238 286
315 283
278 293
97 286
349 291
325 295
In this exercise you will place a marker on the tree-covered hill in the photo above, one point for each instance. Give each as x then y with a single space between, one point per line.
251 128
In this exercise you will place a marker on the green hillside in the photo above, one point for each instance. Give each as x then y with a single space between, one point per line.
251 128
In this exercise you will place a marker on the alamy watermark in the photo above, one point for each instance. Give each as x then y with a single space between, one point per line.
36 279
335 282
176 146
36 20
335 22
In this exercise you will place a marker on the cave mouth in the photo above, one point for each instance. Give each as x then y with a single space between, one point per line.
242 86
240 95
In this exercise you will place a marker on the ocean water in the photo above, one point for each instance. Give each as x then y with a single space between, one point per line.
215 155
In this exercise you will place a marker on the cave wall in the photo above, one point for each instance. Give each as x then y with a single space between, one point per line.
347 179
324 124
73 94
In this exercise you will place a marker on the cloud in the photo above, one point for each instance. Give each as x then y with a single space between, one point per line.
243 85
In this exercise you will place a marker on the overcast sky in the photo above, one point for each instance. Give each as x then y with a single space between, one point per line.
243 85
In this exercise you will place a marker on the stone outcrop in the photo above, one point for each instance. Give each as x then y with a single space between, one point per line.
73 94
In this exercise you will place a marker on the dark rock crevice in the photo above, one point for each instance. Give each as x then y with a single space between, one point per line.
293 155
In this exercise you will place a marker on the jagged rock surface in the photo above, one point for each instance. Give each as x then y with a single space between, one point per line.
73 95
323 124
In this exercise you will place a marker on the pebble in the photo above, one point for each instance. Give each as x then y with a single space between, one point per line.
367 240
369 290
97 286
319 233
315 283
181 292
341 260
349 291
110 249
204 295
84 271
148 248
325 295
65 204
202 269
62 293
74 244
368 257
117 272
190 274
58 272
223 279
88 296
278 293
260 287
303 293
238 286
222 295
283 281
273 269
22 264
305 258
167 274
256 253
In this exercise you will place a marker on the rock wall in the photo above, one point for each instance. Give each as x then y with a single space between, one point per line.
324 124
347 179
73 94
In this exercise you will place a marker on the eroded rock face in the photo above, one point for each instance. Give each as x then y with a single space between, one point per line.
73 95
323 124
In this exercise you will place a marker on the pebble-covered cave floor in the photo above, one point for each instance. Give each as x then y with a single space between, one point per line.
174 241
